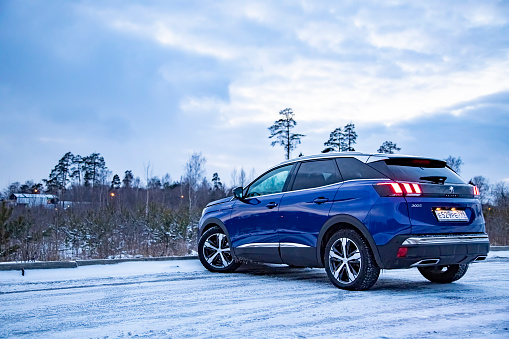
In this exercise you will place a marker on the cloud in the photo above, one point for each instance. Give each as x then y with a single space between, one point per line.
416 59
156 81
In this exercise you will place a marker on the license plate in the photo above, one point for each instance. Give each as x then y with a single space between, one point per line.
449 215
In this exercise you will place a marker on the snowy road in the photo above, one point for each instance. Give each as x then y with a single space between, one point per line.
181 299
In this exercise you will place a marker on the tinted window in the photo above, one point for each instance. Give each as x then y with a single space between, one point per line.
352 169
269 183
418 170
315 174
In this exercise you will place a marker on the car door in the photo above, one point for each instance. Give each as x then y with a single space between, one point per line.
305 208
254 220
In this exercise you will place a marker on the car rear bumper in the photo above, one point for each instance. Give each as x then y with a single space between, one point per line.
433 250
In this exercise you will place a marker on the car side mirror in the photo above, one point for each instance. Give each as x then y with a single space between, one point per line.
238 193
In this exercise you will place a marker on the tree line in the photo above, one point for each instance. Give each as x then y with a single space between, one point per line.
340 140
123 215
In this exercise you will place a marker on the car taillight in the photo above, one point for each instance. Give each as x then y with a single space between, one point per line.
476 191
394 189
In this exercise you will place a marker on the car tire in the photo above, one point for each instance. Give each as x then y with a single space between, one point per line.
444 274
215 253
349 261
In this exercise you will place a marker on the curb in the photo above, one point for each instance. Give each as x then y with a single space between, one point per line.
499 248
77 263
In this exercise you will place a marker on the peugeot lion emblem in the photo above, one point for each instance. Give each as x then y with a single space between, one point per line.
451 190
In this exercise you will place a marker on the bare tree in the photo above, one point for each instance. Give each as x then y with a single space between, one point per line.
242 177
233 177
252 175
483 185
501 194
454 163
147 176
194 174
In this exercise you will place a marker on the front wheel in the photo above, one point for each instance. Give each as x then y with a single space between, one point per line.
349 261
444 274
215 253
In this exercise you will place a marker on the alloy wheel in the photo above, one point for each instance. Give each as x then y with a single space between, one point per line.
345 260
216 251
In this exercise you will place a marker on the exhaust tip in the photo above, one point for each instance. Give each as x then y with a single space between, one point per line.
425 262
480 258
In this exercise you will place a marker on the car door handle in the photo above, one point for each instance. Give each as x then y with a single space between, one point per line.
320 200
271 205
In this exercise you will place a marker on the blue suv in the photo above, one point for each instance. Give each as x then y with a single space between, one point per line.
352 213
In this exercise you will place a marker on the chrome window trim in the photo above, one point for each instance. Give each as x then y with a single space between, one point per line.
338 183
443 240
376 179
313 188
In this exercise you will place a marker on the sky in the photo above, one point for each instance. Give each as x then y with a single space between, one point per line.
148 83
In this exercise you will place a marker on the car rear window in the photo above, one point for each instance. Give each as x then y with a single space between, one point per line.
417 170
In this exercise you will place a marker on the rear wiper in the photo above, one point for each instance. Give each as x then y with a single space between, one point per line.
434 179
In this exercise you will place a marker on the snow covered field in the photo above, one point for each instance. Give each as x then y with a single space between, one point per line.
182 299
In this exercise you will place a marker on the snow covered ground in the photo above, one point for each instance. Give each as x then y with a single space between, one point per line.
182 299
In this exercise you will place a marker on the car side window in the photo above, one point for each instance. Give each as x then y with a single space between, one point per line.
352 169
270 183
315 174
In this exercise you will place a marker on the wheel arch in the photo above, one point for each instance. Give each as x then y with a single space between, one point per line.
214 222
344 222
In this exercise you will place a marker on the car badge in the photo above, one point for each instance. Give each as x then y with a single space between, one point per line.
451 190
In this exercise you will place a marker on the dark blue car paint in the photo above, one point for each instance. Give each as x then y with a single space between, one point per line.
424 221
291 224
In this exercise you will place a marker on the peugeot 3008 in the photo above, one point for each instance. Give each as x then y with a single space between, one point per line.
352 213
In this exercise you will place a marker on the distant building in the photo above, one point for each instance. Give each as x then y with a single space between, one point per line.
30 200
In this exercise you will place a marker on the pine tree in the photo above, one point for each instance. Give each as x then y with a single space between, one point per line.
61 174
154 183
77 169
128 179
350 137
115 183
217 184
388 147
281 131
335 142
94 166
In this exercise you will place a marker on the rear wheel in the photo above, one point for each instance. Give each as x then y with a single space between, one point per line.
349 261
444 274
215 253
